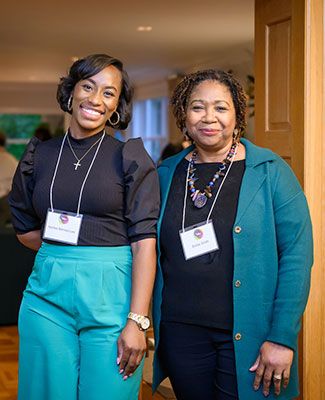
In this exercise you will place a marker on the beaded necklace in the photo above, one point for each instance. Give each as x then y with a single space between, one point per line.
200 198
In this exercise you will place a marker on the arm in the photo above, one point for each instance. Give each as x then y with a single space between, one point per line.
24 217
32 239
132 341
141 214
295 257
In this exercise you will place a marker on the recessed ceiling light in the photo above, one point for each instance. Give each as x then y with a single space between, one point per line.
143 28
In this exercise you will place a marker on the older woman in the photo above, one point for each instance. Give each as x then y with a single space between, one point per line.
235 253
88 204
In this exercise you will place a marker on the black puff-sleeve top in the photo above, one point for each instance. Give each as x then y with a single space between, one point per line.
120 201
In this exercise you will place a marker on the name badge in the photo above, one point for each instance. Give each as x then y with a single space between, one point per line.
62 226
198 239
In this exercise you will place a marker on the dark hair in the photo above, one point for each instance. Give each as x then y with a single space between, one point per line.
43 133
89 66
183 90
170 149
3 139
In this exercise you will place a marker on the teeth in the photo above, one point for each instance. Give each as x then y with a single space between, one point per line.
90 111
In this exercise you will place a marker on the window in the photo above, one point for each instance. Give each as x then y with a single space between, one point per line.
150 123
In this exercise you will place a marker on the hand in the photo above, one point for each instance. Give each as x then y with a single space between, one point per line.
131 346
274 362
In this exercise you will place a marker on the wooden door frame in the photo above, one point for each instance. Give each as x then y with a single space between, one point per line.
314 186
305 152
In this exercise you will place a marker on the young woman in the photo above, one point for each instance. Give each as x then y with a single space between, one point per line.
88 204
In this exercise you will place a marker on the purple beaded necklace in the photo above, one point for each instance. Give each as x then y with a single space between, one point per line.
200 198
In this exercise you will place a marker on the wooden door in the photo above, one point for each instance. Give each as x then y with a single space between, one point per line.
289 119
279 70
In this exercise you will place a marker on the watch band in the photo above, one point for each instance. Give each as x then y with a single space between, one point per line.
142 321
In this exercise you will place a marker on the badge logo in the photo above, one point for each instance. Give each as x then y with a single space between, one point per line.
198 234
64 219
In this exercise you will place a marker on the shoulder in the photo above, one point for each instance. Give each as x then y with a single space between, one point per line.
113 143
48 146
134 145
256 155
281 175
175 159
135 158
133 150
168 166
26 163
284 181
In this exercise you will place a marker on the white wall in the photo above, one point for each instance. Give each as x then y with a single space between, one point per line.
28 98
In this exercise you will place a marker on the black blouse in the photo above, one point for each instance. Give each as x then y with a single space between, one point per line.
199 290
120 201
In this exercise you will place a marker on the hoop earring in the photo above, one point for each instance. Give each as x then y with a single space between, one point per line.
117 119
70 103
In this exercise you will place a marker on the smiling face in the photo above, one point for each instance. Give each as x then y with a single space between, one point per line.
94 101
211 116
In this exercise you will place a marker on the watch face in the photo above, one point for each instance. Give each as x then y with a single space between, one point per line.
145 323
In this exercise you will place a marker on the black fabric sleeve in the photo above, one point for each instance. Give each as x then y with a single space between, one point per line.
24 218
142 198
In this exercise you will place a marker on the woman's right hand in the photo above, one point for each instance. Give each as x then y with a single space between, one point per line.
273 363
131 348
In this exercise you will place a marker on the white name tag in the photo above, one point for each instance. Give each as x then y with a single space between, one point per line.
62 226
198 239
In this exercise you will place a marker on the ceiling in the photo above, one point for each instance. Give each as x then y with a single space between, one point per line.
39 38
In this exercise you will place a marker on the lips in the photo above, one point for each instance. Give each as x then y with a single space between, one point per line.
92 112
209 132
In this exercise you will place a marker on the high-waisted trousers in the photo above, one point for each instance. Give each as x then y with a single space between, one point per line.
74 308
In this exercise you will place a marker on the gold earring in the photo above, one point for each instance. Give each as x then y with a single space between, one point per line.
117 119
235 135
70 103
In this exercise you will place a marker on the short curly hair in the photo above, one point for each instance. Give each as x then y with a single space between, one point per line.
89 66
184 89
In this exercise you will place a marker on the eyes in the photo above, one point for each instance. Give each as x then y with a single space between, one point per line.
198 108
88 88
108 93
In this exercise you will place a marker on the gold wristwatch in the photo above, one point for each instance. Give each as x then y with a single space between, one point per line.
142 321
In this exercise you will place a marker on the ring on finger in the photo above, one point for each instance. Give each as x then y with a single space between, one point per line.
277 377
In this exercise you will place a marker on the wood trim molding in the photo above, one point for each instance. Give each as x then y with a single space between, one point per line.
314 185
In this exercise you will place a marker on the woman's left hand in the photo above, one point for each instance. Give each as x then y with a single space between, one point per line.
131 346
273 363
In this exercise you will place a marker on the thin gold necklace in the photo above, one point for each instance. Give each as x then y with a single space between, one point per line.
77 164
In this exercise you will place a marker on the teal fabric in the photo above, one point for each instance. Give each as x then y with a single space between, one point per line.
273 255
74 308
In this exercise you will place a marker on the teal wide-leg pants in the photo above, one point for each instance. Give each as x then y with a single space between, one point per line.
74 308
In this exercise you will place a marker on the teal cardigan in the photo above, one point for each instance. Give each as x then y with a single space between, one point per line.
273 255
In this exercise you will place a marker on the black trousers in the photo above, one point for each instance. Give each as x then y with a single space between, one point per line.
200 361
